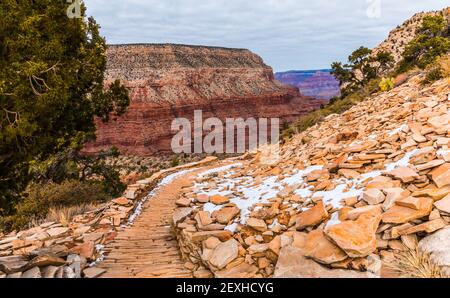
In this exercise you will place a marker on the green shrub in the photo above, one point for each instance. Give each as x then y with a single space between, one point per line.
386 84
40 198
337 106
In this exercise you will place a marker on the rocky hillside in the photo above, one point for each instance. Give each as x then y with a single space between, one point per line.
399 38
314 83
345 198
168 81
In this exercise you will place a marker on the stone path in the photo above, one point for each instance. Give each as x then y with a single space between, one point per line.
149 248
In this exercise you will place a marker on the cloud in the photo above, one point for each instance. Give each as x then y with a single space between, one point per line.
288 34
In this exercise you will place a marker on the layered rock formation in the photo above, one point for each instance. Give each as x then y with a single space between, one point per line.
399 38
170 81
314 83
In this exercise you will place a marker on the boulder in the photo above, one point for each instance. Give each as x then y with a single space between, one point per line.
226 214
357 238
399 214
441 175
317 247
224 253
443 204
292 264
311 217
373 196
438 246
257 224
404 174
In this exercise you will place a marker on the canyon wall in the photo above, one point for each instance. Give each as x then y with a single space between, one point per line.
319 84
171 81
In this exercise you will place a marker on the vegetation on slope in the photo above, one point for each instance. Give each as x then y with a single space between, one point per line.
51 88
365 74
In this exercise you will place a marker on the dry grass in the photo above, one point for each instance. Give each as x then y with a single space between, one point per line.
413 263
64 215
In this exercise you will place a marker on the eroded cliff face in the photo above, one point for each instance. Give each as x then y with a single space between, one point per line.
171 81
319 84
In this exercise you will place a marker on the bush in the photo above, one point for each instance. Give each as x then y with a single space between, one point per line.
337 106
438 70
386 84
40 198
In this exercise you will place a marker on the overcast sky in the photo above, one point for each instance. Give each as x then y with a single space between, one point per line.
287 34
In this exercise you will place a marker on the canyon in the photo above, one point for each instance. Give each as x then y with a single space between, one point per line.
168 81
319 84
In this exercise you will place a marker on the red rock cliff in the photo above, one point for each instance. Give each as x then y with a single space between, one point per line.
169 81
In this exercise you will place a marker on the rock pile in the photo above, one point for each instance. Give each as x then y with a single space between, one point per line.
345 196
54 250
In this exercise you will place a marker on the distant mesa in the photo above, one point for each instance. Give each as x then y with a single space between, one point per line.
168 81
320 84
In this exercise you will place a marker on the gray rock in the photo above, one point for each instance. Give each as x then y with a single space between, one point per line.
180 214
49 271
32 273
93 272
12 264
77 263
438 246
224 253
68 272
14 275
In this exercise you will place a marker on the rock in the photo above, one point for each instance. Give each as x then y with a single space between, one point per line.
32 273
242 270
443 204
203 218
317 247
218 200
357 238
429 227
224 253
430 165
226 214
54 251
410 202
432 192
203 273
257 224
76 263
202 198
439 121
373 196
311 217
180 214
211 242
43 261
441 175
398 214
86 250
49 271
437 245
392 195
93 272
200 236
183 202
349 174
404 174
12 264
14 275
57 232
122 201
292 264
354 214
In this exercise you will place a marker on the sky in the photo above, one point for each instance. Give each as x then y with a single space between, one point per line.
287 34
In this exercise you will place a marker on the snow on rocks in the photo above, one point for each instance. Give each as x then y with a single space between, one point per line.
365 178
